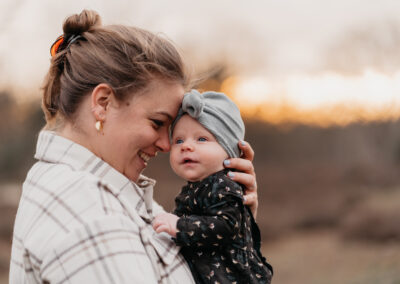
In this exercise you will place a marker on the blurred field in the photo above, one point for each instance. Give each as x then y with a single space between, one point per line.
329 197
323 257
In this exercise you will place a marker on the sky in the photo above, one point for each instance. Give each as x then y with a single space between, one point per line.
307 52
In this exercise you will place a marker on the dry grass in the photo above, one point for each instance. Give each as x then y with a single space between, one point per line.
322 257
376 218
5 252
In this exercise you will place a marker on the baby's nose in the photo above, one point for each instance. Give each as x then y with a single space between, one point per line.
187 146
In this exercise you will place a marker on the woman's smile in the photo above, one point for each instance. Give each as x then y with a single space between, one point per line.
145 157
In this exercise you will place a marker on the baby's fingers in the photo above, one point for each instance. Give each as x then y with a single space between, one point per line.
161 228
156 223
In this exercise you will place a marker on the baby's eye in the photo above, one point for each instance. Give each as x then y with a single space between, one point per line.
202 139
178 141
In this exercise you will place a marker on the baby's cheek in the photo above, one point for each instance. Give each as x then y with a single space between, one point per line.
172 163
172 157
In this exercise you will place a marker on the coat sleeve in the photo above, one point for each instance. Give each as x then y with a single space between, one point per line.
104 251
219 223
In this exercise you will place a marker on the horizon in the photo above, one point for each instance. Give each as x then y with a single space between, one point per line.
300 61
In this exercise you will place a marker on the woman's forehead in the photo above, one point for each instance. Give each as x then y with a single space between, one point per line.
161 97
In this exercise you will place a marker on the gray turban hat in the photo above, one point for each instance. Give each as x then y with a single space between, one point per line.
218 114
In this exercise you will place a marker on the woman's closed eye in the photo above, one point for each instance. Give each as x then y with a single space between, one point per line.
157 123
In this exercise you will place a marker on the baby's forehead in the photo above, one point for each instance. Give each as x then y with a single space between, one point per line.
188 125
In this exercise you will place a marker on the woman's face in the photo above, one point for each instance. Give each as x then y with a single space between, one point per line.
135 130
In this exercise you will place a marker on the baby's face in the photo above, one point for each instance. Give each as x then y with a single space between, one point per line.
195 153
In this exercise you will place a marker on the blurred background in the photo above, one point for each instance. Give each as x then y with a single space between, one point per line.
318 84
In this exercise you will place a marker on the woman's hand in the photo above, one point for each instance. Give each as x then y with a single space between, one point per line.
245 175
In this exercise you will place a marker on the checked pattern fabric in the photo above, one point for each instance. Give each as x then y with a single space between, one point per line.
81 221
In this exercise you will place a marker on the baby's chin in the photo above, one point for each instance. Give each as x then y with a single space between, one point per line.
198 172
190 178
196 178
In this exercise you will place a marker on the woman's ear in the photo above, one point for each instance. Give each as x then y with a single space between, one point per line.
101 98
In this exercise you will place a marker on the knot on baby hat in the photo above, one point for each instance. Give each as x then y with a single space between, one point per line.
194 104
218 114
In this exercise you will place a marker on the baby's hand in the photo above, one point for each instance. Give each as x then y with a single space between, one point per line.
166 222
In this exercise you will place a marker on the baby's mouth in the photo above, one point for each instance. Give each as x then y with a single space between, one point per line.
188 161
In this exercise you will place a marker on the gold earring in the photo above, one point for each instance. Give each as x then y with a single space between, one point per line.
99 125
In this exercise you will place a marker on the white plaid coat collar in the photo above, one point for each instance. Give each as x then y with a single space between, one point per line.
53 148
137 198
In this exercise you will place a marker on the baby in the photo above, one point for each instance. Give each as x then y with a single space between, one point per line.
218 234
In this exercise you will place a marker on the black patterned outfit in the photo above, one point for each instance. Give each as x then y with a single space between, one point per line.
218 235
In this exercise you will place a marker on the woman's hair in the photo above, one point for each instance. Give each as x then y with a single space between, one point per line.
125 58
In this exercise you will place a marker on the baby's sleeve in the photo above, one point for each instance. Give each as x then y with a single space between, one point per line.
218 224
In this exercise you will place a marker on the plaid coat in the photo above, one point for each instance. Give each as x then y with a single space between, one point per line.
81 221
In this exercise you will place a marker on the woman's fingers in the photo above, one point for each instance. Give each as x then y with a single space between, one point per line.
248 152
248 180
251 199
244 163
240 165
250 184
251 195
244 174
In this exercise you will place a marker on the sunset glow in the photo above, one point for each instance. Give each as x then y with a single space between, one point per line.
324 99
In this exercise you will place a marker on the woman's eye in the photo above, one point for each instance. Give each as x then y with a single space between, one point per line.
178 141
158 123
202 139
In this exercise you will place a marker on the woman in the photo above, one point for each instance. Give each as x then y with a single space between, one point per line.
85 213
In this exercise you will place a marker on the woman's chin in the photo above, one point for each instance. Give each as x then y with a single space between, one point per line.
133 175
136 168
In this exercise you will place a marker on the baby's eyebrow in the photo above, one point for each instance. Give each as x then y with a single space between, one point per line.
174 139
175 136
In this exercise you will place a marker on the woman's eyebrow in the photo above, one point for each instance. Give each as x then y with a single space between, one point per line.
165 114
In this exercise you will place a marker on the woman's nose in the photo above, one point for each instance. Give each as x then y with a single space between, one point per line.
163 143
